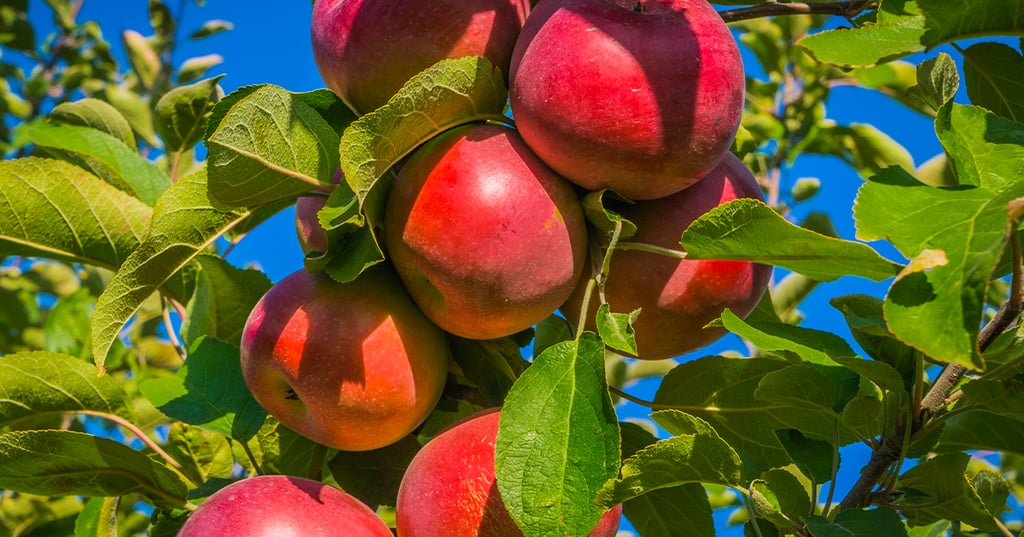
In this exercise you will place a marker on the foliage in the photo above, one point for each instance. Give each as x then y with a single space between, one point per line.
112 232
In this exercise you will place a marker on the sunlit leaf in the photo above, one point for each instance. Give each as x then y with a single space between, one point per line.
41 382
558 441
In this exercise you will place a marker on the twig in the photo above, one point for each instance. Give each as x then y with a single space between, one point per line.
138 433
848 9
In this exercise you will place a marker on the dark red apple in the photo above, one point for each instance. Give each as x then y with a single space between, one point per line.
354 366
282 506
641 96
367 49
487 239
449 488
312 237
678 297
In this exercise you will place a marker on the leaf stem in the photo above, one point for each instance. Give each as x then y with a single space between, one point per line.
847 9
835 469
316 462
252 458
145 439
171 333
600 275
645 247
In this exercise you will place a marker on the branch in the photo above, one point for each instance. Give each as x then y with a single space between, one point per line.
848 9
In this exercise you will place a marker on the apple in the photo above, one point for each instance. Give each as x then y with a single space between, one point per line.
640 96
282 506
488 240
367 49
449 487
677 298
354 366
312 237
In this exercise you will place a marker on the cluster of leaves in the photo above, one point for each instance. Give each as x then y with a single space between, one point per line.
136 238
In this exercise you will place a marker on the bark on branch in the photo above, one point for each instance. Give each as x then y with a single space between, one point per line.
848 9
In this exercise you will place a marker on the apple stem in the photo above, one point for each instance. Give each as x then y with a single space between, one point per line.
600 276
252 458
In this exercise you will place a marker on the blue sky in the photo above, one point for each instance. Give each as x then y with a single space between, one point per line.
270 43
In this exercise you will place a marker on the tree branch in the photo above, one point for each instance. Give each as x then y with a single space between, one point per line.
848 9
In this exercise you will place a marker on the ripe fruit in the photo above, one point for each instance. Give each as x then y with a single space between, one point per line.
640 96
355 366
449 487
678 297
487 239
367 49
282 506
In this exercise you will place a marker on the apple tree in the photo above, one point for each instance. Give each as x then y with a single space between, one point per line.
138 379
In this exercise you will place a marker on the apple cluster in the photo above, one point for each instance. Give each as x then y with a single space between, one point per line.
484 228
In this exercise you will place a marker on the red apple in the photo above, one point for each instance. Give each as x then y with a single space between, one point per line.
487 239
312 237
354 366
367 49
282 506
449 488
678 297
641 96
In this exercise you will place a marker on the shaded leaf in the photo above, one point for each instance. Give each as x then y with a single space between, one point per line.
937 80
694 454
858 523
988 73
983 430
61 463
209 392
949 21
373 476
223 298
212 27
867 45
40 382
492 365
202 454
616 329
747 229
266 144
865 318
185 223
720 391
937 489
277 449
180 115
682 511
986 150
558 440
106 156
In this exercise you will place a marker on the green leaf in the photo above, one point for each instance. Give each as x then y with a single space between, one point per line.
97 114
185 223
180 115
209 392
981 430
694 454
144 60
105 156
605 220
66 329
795 343
747 229
938 489
682 511
135 109
956 237
374 476
62 463
937 80
988 73
40 382
277 449
858 523
863 146
993 489
98 518
616 329
202 454
194 68
1000 396
223 298
865 318
335 112
950 21
211 27
986 150
267 144
867 45
552 330
558 441
720 391
814 458
492 365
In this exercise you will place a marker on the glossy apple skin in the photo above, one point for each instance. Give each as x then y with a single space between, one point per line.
449 488
282 506
643 103
354 366
367 49
488 240
678 297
